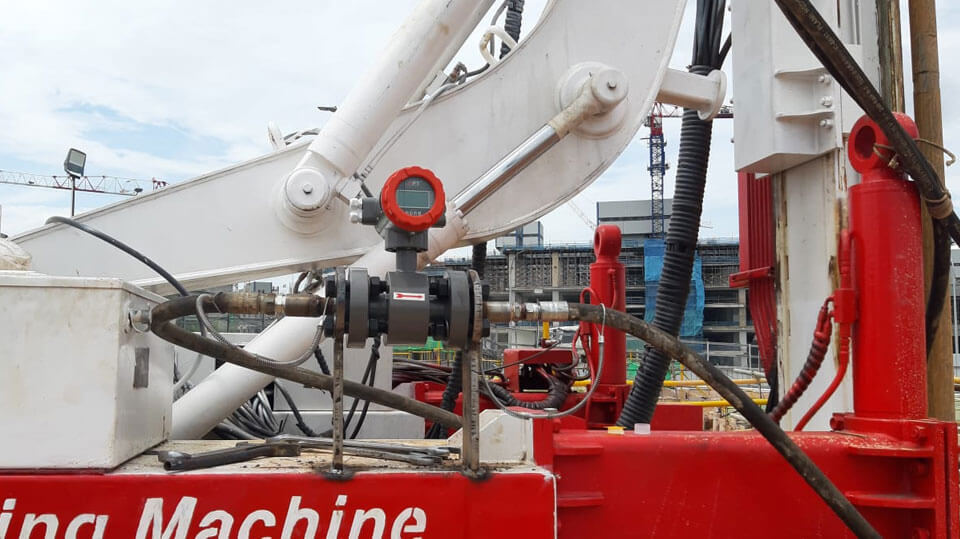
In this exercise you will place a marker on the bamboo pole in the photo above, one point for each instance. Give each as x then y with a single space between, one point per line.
925 62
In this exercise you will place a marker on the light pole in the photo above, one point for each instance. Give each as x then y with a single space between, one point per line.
73 165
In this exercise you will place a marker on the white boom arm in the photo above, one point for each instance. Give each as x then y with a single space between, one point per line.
259 219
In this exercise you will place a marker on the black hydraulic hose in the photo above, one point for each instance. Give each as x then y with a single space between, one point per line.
674 349
684 230
512 22
827 47
161 325
123 247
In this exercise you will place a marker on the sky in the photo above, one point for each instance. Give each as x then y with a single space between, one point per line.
175 88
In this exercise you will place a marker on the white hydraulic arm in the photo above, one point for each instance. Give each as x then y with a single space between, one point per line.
510 145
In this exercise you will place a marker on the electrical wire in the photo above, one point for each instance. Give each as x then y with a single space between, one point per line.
301 424
374 359
424 103
103 236
574 408
123 247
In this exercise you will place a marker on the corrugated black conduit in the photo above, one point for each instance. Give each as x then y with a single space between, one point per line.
556 396
681 241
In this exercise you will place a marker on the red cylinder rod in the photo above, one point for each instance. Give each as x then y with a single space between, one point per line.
889 365
608 282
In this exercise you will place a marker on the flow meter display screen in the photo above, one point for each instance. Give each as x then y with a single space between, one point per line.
412 198
415 196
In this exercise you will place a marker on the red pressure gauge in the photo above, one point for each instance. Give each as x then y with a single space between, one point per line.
413 199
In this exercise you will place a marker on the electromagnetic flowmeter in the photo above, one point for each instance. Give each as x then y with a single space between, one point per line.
408 306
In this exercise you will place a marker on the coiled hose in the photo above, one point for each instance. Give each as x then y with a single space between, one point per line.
818 350
680 249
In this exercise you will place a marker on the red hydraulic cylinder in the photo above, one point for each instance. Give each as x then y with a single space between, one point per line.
608 282
607 286
889 369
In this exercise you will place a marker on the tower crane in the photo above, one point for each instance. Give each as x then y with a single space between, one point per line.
109 185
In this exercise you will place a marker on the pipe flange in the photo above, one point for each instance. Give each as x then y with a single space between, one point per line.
340 316
477 286
459 310
359 309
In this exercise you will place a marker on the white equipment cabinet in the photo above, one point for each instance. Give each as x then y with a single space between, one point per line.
81 387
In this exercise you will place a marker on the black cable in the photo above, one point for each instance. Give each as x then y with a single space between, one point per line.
374 359
773 384
103 236
725 49
939 282
123 247
684 230
512 23
324 368
300 278
370 368
448 401
301 424
676 350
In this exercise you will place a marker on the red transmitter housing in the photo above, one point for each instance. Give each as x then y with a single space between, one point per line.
399 212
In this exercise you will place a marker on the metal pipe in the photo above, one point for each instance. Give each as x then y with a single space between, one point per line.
686 383
715 404
508 167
